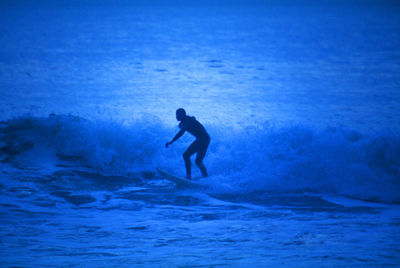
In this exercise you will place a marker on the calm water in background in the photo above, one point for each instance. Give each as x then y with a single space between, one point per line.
327 66
301 104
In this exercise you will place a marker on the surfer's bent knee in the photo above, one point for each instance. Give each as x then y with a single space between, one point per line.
185 155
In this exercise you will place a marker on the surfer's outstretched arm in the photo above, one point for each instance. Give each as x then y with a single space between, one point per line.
177 136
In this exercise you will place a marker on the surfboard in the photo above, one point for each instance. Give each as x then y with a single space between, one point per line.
180 182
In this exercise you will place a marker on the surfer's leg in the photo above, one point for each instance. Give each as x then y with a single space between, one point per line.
188 166
200 156
201 166
186 156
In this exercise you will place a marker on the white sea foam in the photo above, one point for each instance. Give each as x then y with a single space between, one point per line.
293 158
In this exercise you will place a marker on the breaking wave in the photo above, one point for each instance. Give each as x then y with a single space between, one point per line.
263 158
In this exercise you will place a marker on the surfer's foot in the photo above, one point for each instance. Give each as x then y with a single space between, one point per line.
188 177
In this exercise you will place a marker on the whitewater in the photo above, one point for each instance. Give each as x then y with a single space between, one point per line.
300 101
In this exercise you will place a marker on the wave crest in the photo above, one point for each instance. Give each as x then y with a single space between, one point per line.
265 158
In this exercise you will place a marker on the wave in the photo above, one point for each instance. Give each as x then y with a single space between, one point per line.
243 160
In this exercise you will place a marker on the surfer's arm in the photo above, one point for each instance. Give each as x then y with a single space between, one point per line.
177 136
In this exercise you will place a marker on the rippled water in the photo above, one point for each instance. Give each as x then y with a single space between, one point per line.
300 103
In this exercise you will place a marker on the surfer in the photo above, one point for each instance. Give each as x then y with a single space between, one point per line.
199 146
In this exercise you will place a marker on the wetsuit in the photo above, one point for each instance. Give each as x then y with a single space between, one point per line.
199 146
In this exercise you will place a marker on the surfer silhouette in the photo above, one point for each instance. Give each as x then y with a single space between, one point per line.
199 146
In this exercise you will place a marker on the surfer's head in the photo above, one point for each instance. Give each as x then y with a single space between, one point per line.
180 114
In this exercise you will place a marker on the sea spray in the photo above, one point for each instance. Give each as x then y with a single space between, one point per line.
252 159
298 158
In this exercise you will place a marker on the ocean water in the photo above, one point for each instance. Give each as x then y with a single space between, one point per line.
300 101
